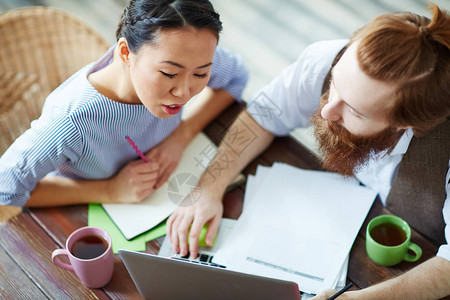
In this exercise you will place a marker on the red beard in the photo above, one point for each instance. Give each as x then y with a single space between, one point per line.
343 151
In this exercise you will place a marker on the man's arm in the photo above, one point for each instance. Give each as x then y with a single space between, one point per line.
243 141
429 280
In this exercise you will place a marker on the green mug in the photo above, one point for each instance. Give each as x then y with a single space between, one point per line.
388 240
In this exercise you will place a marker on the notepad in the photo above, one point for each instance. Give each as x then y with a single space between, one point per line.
99 218
134 219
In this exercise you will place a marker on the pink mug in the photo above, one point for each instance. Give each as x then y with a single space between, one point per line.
90 256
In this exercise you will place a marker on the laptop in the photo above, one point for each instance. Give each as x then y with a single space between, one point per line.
169 276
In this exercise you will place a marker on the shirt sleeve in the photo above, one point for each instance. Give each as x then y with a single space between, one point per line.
289 100
228 72
444 250
49 142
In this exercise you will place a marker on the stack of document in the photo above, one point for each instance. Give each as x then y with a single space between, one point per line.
297 225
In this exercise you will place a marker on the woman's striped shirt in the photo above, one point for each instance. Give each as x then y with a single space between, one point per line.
81 133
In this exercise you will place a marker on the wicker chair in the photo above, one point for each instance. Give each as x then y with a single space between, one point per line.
41 47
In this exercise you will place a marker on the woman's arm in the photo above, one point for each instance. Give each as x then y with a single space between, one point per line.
137 180
52 141
132 184
207 106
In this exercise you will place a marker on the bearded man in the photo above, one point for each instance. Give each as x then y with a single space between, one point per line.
379 104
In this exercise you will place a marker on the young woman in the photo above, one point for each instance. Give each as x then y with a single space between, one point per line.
76 152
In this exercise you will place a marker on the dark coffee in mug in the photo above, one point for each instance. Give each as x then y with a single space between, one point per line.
388 234
89 246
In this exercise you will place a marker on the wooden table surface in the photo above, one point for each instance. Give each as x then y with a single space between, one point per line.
28 239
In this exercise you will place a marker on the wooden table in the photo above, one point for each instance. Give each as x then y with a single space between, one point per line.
28 240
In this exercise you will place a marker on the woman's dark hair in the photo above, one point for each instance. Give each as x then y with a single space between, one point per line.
142 19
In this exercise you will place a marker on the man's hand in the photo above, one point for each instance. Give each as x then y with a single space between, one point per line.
187 222
133 183
324 295
429 280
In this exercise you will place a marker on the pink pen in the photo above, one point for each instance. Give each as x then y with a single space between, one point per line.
130 141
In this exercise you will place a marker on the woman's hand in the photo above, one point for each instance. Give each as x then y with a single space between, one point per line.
187 222
133 183
167 155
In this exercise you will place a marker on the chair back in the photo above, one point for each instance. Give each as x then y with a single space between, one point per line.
41 47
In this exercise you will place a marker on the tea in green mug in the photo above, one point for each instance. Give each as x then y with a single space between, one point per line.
388 234
388 241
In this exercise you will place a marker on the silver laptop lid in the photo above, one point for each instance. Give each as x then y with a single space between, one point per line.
163 278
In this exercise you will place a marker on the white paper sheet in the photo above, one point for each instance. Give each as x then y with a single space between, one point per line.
299 225
254 181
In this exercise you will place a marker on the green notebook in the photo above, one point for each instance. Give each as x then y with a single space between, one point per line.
98 217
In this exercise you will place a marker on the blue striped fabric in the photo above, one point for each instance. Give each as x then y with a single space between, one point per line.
81 133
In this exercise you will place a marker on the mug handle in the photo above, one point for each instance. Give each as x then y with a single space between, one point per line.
57 262
417 252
